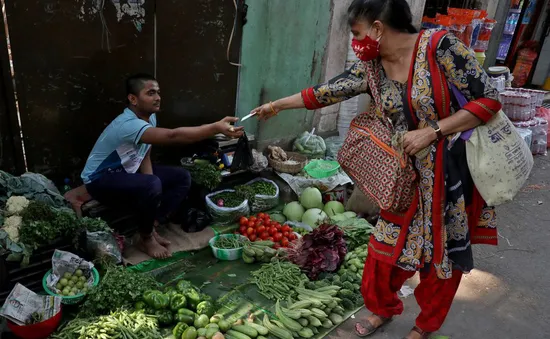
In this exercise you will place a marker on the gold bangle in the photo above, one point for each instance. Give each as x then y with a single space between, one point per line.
272 108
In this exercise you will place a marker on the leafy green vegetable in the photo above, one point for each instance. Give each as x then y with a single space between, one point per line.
119 288
357 232
206 174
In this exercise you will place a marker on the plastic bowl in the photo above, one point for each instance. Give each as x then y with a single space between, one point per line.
322 168
68 300
36 331
226 254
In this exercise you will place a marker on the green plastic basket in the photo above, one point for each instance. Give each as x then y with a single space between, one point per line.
69 300
226 254
322 168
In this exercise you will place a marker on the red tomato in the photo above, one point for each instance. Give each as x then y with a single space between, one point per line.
276 224
266 216
276 246
242 229
250 231
264 235
258 222
292 237
260 229
278 227
278 236
286 234
250 224
272 230
260 215
284 242
270 239
252 218
252 237
243 221
285 228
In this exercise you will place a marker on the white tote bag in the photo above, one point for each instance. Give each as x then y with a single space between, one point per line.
499 160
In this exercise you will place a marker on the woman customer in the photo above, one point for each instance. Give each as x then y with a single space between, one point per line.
410 75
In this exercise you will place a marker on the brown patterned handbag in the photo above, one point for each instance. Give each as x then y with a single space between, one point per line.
374 165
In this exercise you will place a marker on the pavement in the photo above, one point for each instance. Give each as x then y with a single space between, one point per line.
507 295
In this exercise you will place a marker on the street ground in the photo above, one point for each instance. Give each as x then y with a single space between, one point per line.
507 295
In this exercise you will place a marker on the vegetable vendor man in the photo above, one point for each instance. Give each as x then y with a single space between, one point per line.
119 172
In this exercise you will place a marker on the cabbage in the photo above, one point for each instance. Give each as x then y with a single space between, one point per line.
311 198
334 207
294 211
314 217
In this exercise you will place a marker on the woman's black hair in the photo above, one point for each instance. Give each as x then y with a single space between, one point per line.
394 13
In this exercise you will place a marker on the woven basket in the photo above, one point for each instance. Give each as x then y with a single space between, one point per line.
285 167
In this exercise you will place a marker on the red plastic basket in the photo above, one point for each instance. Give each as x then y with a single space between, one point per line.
36 331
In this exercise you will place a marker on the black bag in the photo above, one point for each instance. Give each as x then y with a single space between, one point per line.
195 220
242 160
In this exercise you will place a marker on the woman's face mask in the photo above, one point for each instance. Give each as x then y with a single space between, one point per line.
366 49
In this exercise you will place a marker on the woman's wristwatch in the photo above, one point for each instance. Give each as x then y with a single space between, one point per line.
436 128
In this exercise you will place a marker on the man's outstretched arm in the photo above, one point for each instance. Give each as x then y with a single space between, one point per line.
189 135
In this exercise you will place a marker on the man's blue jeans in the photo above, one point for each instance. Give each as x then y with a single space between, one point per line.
149 197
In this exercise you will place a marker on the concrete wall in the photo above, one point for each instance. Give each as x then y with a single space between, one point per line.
288 46
283 51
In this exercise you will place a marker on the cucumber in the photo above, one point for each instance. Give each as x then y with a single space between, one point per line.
237 334
245 329
303 322
261 329
249 251
248 259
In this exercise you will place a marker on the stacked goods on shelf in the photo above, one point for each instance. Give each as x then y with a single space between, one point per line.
521 105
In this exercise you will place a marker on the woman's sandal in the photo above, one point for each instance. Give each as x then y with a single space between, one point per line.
424 335
369 327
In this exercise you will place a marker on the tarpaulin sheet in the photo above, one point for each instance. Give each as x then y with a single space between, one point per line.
227 281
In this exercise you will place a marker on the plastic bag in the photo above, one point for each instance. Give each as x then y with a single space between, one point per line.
260 161
310 145
333 146
264 202
103 245
196 220
242 160
225 215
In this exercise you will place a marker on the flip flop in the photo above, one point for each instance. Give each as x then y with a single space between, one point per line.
370 328
425 335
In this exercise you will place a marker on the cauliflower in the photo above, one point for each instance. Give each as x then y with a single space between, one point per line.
16 205
11 226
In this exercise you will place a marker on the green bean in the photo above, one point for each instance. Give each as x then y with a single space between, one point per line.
276 280
230 242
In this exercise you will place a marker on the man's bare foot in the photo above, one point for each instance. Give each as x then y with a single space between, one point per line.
152 248
164 242
175 228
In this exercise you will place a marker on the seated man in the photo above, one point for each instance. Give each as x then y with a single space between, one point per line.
119 172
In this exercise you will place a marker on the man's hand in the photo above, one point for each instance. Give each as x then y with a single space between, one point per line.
224 126
417 140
